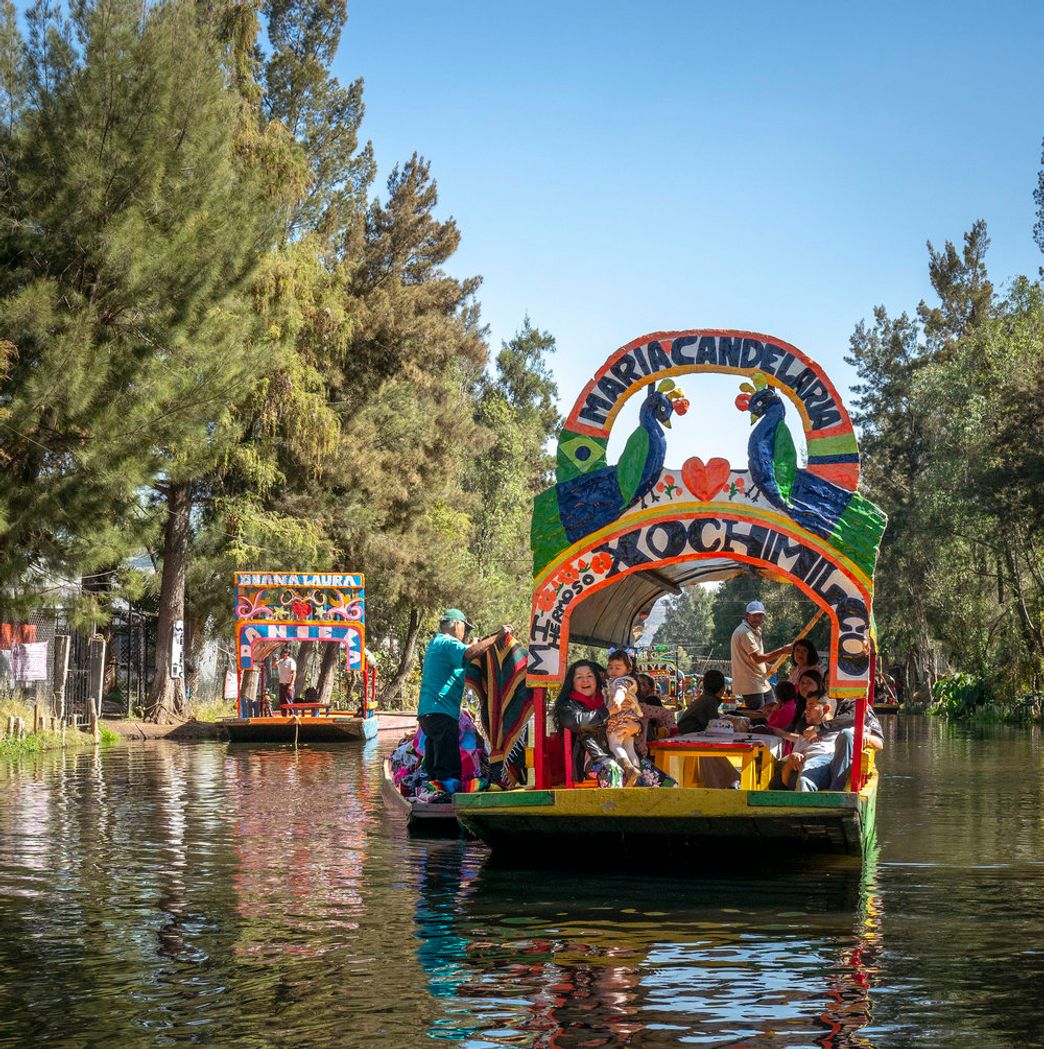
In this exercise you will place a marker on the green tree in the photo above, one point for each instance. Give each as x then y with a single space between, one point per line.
946 410
516 408
396 492
1038 197
688 624
128 230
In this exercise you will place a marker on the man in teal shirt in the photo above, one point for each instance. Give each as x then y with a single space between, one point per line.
442 688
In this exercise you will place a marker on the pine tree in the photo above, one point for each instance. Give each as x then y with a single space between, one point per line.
396 493
516 406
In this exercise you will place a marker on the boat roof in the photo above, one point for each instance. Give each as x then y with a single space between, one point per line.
614 616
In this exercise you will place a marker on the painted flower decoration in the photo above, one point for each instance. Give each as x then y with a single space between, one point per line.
545 600
568 574
601 562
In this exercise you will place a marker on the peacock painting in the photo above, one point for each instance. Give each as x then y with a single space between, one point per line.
849 521
588 493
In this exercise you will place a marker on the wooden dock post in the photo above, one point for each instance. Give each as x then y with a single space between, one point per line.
62 645
96 657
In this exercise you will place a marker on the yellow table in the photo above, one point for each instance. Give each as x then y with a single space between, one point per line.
751 756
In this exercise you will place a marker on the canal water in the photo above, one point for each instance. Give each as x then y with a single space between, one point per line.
162 894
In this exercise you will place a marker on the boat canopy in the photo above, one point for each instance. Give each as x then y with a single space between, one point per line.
273 608
615 615
608 540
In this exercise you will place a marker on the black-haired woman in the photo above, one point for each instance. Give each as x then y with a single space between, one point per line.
580 707
804 656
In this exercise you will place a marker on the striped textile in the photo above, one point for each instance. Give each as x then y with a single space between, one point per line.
498 678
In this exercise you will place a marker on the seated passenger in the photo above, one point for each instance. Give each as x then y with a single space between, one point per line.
624 726
657 721
704 708
621 663
783 708
839 731
804 657
809 762
310 695
811 683
580 707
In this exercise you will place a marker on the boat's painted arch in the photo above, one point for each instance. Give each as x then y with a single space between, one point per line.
703 521
598 591
833 453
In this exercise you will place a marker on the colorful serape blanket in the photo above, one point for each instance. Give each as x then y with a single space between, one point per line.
498 678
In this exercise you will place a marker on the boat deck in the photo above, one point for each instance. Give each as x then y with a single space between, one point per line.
329 728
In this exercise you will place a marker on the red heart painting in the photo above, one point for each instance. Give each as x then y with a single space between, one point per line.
705 480
300 609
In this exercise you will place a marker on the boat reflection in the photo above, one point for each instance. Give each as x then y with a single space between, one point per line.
291 879
601 959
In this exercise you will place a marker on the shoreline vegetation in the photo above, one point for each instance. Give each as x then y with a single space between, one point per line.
23 743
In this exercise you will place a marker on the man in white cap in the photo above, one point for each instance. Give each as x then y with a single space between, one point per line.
750 661
442 688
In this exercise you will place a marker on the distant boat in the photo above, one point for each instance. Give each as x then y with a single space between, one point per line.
323 728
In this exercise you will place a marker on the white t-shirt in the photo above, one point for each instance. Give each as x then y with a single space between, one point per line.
287 668
813 748
749 677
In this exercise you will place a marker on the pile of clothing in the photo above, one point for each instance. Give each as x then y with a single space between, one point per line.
407 766
609 774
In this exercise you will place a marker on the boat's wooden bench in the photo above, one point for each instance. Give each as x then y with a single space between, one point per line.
304 708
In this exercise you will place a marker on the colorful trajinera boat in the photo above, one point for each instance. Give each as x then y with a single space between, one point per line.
608 540
274 609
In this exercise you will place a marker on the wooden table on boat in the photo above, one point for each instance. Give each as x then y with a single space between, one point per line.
751 755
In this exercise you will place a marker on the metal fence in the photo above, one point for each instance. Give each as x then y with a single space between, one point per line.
130 652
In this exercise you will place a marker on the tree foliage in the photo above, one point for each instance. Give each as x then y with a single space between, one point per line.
948 407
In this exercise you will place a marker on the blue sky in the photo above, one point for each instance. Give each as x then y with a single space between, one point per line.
620 168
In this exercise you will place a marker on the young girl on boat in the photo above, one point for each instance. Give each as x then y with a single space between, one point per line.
624 726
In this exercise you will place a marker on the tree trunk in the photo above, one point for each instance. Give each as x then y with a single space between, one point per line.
307 670
167 696
328 671
195 638
408 657
921 673
1031 632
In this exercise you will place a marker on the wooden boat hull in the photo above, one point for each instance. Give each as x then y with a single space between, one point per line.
542 827
421 818
886 708
329 729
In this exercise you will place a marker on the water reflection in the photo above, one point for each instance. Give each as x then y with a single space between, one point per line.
593 960
161 894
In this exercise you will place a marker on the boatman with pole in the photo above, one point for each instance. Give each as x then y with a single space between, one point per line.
442 689
750 661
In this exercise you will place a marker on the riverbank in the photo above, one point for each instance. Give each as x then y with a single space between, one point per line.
126 729
21 743
196 729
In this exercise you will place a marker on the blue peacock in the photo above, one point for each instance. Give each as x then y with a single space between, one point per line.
588 493
849 521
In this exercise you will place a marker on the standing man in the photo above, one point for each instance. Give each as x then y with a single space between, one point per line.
442 688
750 661
287 669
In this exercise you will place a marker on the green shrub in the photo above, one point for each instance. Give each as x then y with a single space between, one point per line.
958 696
